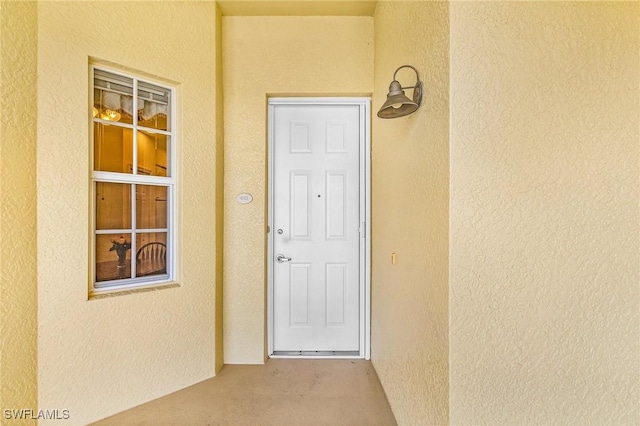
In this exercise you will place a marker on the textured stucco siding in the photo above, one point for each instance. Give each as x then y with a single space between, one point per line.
265 56
98 357
545 238
410 214
219 158
18 268
511 200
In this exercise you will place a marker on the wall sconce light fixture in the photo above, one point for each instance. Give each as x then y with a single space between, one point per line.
398 104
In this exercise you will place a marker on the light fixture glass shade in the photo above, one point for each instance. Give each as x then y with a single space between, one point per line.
397 103
110 115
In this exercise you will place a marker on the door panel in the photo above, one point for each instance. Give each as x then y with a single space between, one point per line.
316 218
299 288
336 205
336 276
299 200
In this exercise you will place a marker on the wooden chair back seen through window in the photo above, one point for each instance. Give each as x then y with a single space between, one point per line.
151 259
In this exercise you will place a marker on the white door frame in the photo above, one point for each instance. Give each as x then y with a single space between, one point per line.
365 216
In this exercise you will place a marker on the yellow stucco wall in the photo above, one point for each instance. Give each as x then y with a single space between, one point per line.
262 56
18 295
410 215
219 343
98 357
544 242
545 224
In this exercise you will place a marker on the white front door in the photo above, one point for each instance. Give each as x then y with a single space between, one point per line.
317 226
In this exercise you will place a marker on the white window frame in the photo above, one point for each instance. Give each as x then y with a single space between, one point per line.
170 182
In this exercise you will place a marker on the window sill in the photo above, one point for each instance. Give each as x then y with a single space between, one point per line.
126 291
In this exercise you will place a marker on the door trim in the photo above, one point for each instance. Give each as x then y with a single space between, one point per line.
365 221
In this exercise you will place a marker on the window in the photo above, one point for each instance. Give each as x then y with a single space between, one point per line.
133 181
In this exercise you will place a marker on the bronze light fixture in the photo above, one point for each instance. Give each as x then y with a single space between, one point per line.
398 104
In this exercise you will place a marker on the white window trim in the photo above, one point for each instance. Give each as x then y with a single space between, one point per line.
105 287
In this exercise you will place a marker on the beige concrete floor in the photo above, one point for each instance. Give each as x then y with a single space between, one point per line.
281 392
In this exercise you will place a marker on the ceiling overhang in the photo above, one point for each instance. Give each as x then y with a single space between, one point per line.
297 7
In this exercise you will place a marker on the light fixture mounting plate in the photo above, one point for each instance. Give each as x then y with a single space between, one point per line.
417 93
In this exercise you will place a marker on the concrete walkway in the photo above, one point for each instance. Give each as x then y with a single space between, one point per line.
281 392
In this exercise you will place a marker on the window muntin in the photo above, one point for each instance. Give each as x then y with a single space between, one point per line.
133 180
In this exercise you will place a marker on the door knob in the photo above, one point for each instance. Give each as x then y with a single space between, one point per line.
282 258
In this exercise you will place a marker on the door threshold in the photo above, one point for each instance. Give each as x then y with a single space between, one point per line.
317 354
